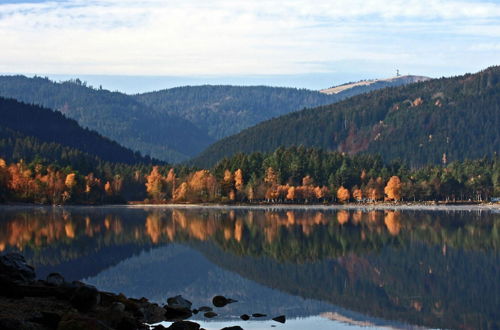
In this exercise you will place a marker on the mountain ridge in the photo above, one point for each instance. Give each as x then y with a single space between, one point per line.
426 122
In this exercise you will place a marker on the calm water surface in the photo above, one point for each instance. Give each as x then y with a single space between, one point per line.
323 269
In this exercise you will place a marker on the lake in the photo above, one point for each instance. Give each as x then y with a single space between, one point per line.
323 268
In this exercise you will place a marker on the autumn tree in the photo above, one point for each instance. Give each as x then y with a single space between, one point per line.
171 183
107 188
155 184
374 190
343 195
4 180
180 194
393 189
202 186
238 180
357 193
290 193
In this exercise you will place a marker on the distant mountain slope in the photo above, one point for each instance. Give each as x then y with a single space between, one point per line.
112 114
29 132
364 86
451 118
226 110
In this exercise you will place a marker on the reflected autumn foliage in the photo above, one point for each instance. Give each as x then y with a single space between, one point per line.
293 235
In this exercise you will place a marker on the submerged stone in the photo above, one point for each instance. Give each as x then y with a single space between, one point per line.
280 319
221 301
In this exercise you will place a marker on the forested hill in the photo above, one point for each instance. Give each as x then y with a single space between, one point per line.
428 122
112 114
225 110
31 132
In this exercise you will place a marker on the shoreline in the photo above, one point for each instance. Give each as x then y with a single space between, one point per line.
400 206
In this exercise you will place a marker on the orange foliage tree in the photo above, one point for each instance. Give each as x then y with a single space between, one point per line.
393 189
155 184
357 194
343 195
238 179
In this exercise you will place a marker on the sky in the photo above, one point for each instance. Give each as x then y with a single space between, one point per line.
137 45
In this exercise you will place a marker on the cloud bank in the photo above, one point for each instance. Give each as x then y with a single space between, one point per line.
221 37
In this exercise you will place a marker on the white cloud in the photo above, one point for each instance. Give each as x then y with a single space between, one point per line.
192 37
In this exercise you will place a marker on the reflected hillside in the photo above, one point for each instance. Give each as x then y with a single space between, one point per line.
438 269
291 236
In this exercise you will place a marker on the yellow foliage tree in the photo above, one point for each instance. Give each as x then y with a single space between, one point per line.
180 194
155 185
393 189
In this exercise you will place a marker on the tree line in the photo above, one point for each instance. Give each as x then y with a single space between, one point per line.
287 175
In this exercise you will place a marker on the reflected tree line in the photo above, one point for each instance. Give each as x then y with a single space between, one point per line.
436 269
291 236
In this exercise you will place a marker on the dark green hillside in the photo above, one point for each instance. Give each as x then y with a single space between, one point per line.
419 123
226 110
112 114
25 128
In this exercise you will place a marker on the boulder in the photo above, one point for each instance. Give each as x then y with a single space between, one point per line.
184 325
280 319
172 314
221 301
85 298
55 279
235 327
178 302
210 315
48 319
245 317
258 315
13 268
73 321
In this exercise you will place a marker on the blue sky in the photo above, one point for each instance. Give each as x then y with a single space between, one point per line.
313 44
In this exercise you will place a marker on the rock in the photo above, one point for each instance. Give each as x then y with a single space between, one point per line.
280 319
178 309
178 302
11 324
236 327
245 317
14 268
55 279
117 307
195 311
258 315
210 315
184 325
73 321
129 323
176 314
205 309
159 327
85 298
152 313
48 319
221 301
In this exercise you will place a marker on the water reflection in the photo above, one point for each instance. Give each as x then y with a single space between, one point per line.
437 269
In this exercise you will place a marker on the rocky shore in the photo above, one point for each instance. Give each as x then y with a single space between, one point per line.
54 303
